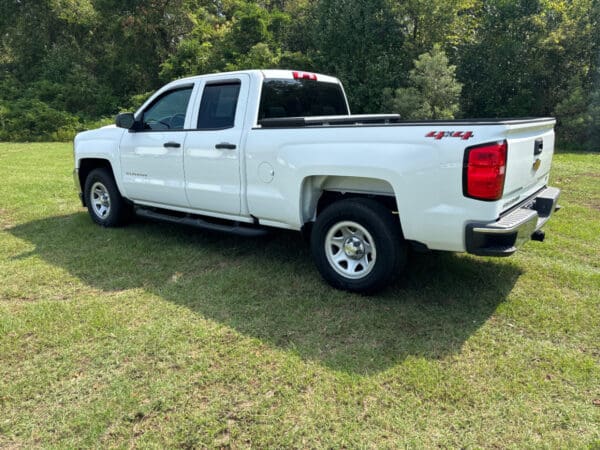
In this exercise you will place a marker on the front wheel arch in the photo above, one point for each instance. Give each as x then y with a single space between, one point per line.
104 202
86 165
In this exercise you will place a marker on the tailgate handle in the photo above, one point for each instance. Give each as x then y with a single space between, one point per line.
538 147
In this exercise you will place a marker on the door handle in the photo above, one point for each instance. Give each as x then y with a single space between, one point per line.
172 145
225 146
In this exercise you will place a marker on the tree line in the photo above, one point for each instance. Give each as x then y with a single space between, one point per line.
67 65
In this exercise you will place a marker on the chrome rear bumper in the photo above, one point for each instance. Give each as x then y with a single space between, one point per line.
510 231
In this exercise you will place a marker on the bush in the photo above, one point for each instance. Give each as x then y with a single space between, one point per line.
433 92
578 116
34 120
37 111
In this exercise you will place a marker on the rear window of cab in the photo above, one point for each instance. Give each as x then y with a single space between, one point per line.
301 98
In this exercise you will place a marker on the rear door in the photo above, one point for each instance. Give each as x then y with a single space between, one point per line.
529 157
212 151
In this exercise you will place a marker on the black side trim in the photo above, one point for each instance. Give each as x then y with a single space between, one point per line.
303 122
285 122
181 130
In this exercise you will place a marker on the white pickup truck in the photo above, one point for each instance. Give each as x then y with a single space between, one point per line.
245 151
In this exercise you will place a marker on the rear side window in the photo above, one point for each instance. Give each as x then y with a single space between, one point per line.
168 111
301 98
218 106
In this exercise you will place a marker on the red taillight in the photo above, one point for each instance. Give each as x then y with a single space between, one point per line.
304 76
484 171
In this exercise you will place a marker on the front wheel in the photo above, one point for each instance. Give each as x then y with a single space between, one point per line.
105 204
357 245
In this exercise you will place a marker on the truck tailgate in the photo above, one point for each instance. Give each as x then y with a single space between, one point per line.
529 157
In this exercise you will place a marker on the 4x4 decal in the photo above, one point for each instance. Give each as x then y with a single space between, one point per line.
464 135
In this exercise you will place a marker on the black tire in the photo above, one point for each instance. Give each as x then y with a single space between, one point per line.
333 235
101 189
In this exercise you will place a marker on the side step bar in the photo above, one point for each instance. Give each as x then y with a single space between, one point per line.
197 222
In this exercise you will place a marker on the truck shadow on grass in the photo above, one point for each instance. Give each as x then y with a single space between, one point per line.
268 288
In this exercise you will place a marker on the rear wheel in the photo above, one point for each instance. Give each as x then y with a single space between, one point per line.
357 245
105 204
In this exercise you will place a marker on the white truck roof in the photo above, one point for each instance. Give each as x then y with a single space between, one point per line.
267 74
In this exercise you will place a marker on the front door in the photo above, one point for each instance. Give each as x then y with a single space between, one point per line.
152 157
212 151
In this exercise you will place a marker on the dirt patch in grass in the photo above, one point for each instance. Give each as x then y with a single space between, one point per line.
5 222
592 203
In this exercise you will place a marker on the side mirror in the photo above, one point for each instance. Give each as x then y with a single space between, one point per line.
125 120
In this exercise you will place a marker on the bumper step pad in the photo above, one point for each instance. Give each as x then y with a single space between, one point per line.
503 237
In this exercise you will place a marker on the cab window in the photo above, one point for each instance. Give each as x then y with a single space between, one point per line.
218 106
168 111
301 98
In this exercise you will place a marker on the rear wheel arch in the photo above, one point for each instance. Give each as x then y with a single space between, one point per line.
320 192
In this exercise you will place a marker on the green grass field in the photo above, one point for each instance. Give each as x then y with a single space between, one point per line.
159 336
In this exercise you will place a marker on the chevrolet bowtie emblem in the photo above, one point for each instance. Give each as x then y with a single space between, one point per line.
537 164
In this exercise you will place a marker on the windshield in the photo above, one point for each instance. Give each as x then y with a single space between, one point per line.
301 98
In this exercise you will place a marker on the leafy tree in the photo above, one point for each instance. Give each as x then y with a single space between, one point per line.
250 26
574 115
360 42
433 92
502 68
259 56
573 46
71 62
593 140
427 22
